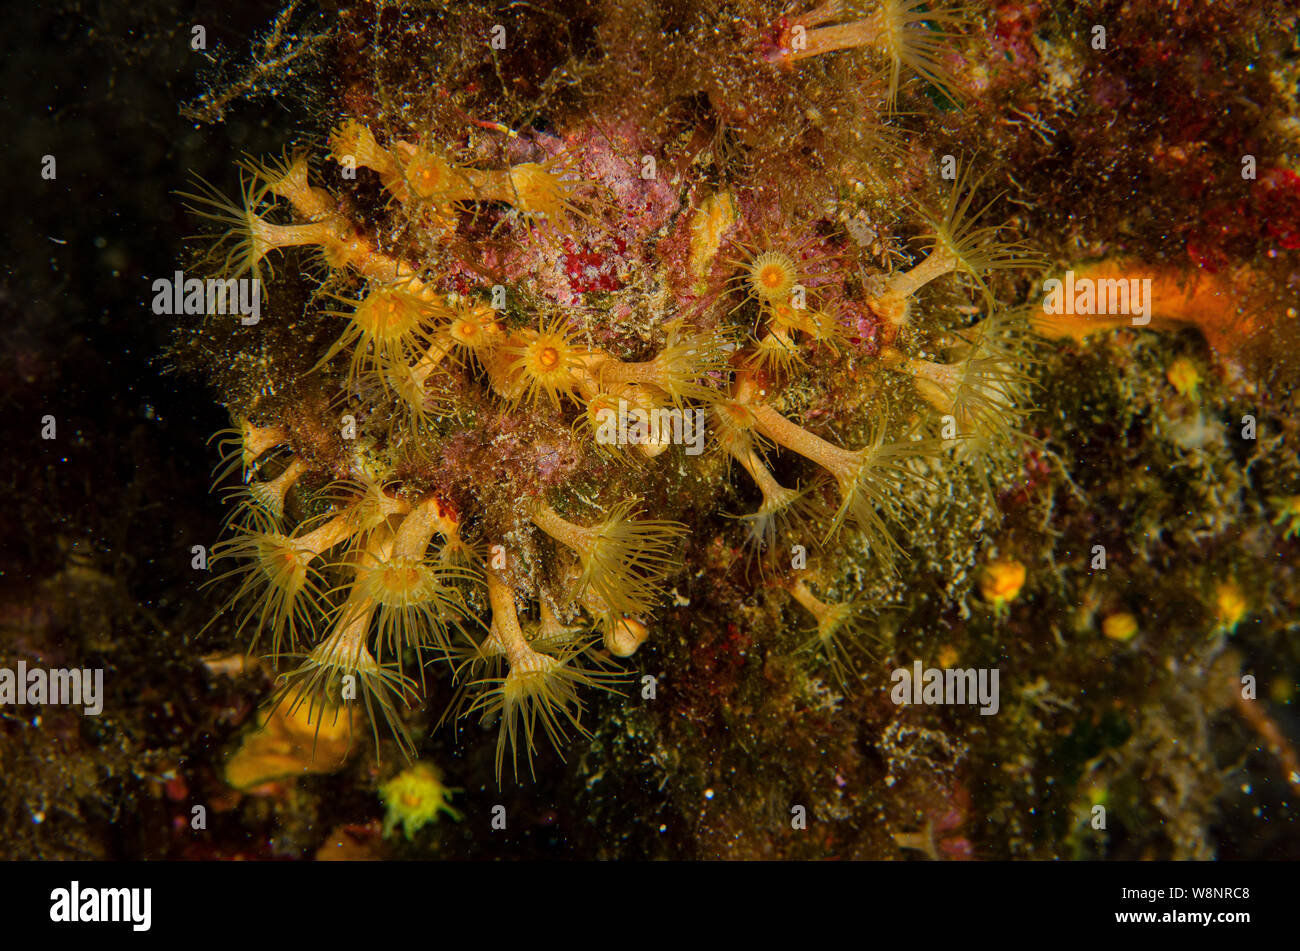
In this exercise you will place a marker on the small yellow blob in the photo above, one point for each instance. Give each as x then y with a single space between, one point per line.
948 656
415 797
1000 583
1183 377
1229 606
1120 627
1281 690
624 636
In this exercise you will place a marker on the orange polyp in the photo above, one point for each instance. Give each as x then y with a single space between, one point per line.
427 175
772 276
542 361
387 316
467 332
430 175
473 330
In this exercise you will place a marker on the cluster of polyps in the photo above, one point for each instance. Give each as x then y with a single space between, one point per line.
380 581
401 570
382 575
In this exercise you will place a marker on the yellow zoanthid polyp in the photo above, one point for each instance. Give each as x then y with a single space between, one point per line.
1000 583
771 276
547 191
780 505
912 34
956 245
551 635
624 559
471 332
624 636
775 351
341 670
545 362
281 585
415 798
681 370
421 178
818 323
1122 627
353 145
873 481
280 591
241 446
537 689
269 496
243 243
772 264
839 633
417 596
387 330
430 175
984 395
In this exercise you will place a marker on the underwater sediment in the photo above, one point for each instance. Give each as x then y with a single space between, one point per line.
654 422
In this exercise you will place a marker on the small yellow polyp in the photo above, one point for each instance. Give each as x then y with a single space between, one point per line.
1183 377
1000 583
415 797
1120 627
1229 606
